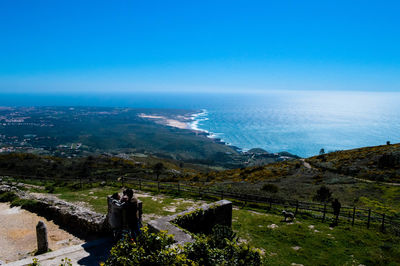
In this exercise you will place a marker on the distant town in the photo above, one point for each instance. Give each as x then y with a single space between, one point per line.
29 129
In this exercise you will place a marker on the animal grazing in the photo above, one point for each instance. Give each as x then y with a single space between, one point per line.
288 215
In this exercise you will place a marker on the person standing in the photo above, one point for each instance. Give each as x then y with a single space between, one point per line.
115 208
336 209
130 213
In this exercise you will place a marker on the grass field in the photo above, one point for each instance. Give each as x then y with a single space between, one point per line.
154 205
305 241
309 242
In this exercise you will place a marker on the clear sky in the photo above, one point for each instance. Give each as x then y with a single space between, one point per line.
61 46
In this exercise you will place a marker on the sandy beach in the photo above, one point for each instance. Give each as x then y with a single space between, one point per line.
181 122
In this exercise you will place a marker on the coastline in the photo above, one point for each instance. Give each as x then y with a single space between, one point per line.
164 120
202 116
189 122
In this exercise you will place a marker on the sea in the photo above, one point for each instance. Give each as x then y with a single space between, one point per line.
299 122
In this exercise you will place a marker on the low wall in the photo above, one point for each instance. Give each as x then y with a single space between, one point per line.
72 218
199 220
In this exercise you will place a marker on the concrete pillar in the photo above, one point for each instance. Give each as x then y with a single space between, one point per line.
41 234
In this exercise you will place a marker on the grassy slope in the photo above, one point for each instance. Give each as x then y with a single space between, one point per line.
353 176
95 199
365 163
319 245
95 167
345 173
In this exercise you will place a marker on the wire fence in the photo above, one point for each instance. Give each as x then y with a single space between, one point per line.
351 215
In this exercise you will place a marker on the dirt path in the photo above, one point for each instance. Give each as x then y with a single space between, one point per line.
306 165
18 233
380 183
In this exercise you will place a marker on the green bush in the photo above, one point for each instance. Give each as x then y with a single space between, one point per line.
149 249
27 204
270 188
7 197
50 188
323 194
157 249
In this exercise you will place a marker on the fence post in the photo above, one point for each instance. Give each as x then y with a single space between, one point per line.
179 187
270 203
369 218
123 181
80 181
297 208
222 194
158 186
383 223
199 191
354 214
140 184
323 216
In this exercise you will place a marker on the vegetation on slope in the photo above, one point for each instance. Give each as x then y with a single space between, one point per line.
363 177
379 163
92 167
310 242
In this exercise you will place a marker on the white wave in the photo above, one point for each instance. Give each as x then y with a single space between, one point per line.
195 125
197 118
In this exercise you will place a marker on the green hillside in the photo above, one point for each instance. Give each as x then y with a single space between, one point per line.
363 177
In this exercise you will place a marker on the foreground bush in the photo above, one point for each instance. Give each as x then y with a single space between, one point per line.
219 248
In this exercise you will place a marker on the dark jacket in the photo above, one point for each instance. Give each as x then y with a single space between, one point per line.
130 214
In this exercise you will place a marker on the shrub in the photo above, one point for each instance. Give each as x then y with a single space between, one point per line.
219 248
186 221
270 188
323 194
7 197
27 204
387 161
221 234
50 188
149 249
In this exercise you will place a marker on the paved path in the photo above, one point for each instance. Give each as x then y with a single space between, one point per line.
91 253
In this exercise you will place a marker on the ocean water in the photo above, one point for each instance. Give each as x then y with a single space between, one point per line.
300 122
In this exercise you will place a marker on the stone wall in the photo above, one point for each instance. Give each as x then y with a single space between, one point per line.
73 218
199 220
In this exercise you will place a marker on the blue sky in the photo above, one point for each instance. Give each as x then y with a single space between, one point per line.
76 46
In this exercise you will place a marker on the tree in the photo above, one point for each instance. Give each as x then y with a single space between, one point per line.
322 151
270 188
323 194
158 168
